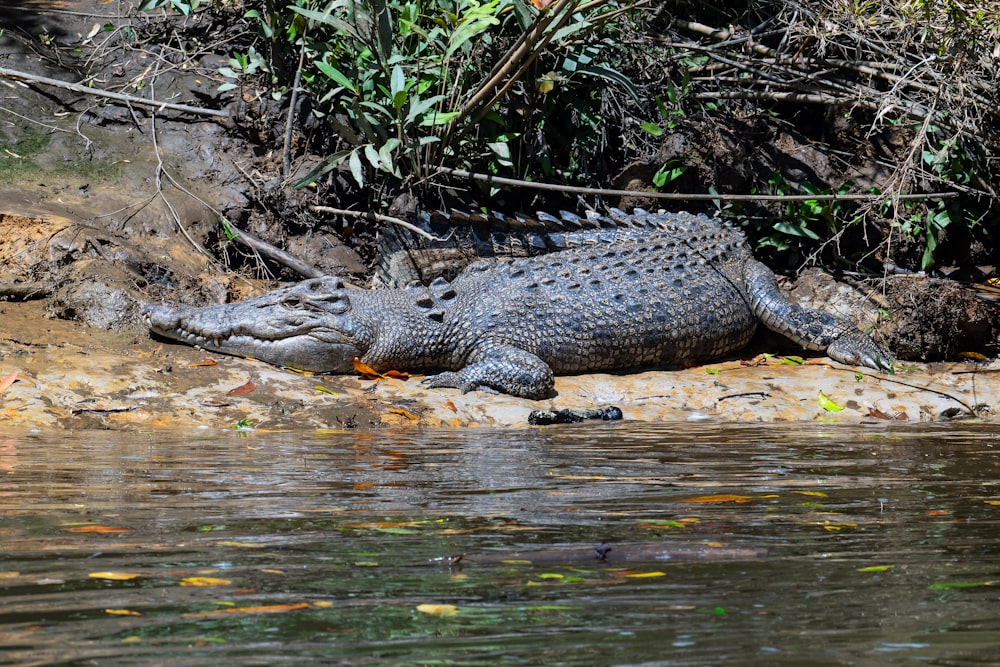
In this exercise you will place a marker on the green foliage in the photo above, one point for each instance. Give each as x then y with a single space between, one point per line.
407 85
241 67
183 6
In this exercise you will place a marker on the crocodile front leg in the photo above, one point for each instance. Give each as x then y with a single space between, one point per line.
812 329
509 370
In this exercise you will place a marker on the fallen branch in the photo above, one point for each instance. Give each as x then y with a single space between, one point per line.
276 254
679 196
378 217
128 99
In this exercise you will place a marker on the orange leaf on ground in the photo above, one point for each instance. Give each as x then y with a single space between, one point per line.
719 498
97 529
243 389
7 380
369 373
205 362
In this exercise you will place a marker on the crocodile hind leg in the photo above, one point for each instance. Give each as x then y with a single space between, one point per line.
506 369
812 329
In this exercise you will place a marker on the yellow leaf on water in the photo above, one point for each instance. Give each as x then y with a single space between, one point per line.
114 576
437 609
92 528
243 545
122 612
646 575
719 498
827 404
875 568
204 581
259 609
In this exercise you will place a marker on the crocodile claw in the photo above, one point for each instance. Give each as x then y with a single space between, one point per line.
856 348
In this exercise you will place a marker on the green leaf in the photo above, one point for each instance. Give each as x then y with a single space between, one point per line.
613 76
652 128
326 17
440 118
354 162
336 75
796 230
397 81
827 404
372 156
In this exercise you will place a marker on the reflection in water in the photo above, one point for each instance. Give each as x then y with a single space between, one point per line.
881 546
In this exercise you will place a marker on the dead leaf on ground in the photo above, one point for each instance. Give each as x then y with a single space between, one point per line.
7 380
205 362
369 373
403 412
243 389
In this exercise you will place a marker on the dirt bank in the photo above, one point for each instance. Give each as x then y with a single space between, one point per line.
105 205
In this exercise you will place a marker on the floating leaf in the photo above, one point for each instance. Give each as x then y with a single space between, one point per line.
827 404
719 498
7 380
551 575
875 568
260 609
960 584
114 576
204 581
817 494
242 545
838 525
93 528
122 612
437 609
243 389
646 575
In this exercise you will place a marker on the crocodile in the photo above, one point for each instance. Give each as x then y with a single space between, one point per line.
666 290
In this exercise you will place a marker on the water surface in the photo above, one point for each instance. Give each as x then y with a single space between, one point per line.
819 545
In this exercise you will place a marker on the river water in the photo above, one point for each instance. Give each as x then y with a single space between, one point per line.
735 545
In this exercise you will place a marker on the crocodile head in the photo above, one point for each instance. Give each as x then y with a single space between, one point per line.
305 326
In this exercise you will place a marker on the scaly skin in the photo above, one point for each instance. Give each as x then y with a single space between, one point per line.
659 298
